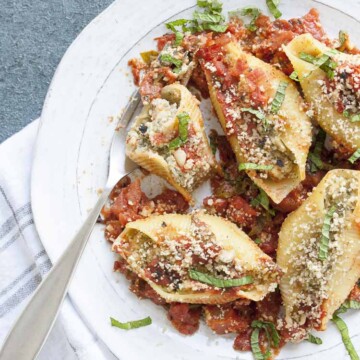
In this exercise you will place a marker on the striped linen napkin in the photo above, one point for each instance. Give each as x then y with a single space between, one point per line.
23 259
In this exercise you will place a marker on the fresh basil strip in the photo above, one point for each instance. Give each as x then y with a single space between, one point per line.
211 19
252 166
314 339
325 234
272 5
324 62
279 97
216 27
183 131
208 17
213 142
315 157
131 324
354 156
270 327
317 61
341 325
316 162
220 283
178 38
183 125
355 118
320 141
175 143
351 304
258 113
263 200
173 24
255 346
253 12
212 5
294 76
168 59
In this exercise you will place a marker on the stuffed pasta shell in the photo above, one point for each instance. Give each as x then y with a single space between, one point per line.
330 81
199 259
319 250
262 115
169 140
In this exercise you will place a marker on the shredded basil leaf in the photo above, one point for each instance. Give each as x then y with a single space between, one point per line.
294 76
212 5
279 97
341 325
253 12
220 283
131 324
259 114
263 200
175 143
355 118
168 59
325 234
317 61
208 17
351 304
314 339
255 346
183 131
216 27
324 62
178 38
213 141
183 125
257 241
270 327
272 5
316 163
355 156
173 24
315 156
252 166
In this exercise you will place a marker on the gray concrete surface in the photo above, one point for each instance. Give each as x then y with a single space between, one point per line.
34 34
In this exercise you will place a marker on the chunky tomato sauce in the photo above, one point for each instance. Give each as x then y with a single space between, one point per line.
129 203
266 43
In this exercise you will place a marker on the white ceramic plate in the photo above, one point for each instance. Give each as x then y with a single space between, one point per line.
91 86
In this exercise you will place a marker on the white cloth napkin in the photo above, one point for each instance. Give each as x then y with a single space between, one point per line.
23 259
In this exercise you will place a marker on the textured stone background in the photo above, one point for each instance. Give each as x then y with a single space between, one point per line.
34 34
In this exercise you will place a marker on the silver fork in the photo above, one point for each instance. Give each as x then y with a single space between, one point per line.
32 328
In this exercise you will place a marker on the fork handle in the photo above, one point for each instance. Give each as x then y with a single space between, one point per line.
32 328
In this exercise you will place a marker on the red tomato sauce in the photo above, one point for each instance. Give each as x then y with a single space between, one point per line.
130 203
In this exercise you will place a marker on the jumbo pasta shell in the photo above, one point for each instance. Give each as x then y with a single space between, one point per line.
168 246
192 162
312 289
312 79
295 134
